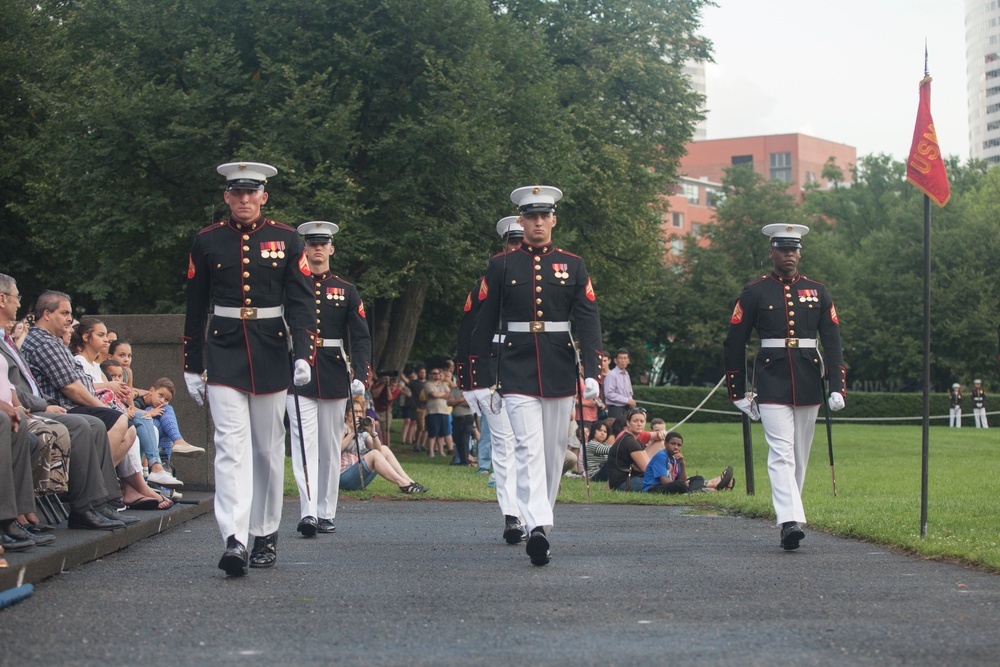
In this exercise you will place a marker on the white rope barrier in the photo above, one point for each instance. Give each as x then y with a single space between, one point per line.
737 413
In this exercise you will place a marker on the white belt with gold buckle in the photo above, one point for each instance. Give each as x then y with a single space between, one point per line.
250 313
330 342
788 342
538 327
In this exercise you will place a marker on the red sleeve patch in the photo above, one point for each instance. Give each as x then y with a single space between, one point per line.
590 291
304 265
737 315
483 290
190 267
361 310
833 315
468 302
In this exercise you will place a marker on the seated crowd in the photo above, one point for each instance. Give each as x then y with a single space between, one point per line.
67 395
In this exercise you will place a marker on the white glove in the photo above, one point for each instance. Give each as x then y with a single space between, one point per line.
357 388
748 407
591 389
470 398
196 387
302 373
837 401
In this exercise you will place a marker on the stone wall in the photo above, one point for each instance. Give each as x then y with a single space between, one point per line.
156 353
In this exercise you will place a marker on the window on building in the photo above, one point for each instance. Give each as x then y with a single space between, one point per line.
677 219
742 159
714 197
781 167
676 246
691 193
696 229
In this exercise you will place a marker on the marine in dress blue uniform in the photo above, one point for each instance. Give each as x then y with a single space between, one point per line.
250 273
978 395
475 377
788 311
534 292
339 324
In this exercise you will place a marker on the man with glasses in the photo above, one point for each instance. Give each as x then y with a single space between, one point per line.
254 274
91 480
340 324
533 292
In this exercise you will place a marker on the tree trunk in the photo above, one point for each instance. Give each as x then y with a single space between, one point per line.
395 327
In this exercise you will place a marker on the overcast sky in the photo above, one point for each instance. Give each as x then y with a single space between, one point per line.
844 71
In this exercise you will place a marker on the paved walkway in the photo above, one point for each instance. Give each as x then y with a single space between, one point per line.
431 583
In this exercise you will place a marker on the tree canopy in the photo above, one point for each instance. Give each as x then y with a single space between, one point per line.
407 123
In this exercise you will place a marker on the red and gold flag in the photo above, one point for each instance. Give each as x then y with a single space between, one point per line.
925 166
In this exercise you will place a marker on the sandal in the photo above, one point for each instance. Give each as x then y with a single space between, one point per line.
168 501
411 488
144 504
726 481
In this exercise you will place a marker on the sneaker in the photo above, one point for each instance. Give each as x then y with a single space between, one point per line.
573 474
164 478
186 450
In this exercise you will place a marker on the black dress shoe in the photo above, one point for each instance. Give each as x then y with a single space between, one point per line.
41 539
110 512
15 544
265 551
537 547
92 520
234 560
513 531
36 528
308 526
326 526
791 535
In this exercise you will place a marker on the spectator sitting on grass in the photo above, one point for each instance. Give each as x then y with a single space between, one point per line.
375 459
597 451
666 472
627 459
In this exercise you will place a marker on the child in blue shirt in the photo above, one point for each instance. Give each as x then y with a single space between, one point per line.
665 472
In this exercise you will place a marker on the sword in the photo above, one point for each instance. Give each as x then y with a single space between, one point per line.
302 441
829 433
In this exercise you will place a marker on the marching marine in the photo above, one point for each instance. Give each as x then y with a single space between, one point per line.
788 310
339 325
254 275
475 377
533 292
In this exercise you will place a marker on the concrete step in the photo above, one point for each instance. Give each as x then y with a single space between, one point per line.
75 547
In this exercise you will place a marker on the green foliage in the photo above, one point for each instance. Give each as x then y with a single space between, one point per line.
406 129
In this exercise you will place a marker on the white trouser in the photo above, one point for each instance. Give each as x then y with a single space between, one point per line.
980 416
789 434
501 447
249 461
955 417
540 439
323 429
132 463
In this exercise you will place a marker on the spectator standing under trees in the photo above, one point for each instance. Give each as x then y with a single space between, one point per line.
618 387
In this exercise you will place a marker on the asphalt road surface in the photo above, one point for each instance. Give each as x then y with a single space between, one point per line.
431 583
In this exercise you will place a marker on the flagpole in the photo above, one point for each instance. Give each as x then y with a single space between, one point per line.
927 366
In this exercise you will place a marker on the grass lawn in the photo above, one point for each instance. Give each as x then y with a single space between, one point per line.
878 485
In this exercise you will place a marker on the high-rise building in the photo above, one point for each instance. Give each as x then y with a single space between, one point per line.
982 58
695 71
